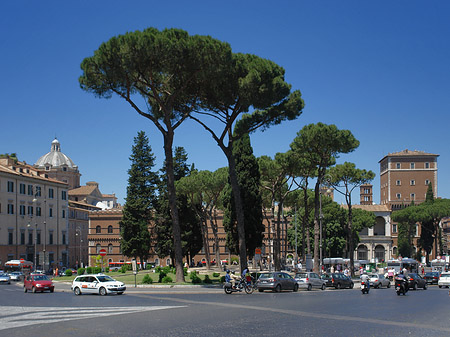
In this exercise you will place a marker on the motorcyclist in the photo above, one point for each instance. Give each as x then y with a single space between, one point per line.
366 279
234 278
227 276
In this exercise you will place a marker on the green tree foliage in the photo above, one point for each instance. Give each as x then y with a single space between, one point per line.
320 145
191 237
247 82
162 75
249 180
345 178
140 200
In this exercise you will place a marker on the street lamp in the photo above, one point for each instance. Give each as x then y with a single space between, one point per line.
78 233
35 244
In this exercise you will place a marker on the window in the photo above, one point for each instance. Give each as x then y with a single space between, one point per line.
398 166
30 238
38 237
30 210
50 238
63 213
51 193
10 238
64 195
38 211
30 189
110 248
22 238
399 195
398 182
50 212
427 182
98 247
22 209
110 229
394 228
10 209
413 196
63 238
22 188
98 229
412 182
427 165
10 186
413 166
38 191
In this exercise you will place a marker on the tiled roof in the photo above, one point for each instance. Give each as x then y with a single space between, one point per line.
28 171
82 190
371 208
409 153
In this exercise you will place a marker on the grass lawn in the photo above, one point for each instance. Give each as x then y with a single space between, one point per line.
128 277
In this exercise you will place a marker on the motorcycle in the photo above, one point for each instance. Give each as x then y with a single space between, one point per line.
242 285
365 287
401 285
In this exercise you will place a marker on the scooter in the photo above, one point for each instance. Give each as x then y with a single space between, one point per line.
401 286
242 285
365 287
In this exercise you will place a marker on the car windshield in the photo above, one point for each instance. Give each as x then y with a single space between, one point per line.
301 275
266 275
105 278
40 278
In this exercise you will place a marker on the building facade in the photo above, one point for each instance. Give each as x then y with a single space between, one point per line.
33 216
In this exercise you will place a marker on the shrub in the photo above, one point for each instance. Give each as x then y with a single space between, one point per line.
207 280
97 270
80 271
167 279
123 269
68 272
147 279
185 271
234 260
222 279
194 277
158 269
162 274
216 274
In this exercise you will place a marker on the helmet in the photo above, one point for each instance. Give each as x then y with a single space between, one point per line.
228 271
232 272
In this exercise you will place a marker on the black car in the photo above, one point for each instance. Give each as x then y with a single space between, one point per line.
432 277
337 280
416 281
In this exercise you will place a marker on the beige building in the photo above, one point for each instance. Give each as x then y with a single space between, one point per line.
33 215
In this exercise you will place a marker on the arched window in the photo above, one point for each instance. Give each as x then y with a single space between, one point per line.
168 262
380 226
379 253
394 251
110 229
156 262
98 229
110 248
362 253
98 247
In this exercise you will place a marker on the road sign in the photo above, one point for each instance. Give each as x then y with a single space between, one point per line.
102 252
22 260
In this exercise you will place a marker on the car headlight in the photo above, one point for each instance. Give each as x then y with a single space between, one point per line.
38 285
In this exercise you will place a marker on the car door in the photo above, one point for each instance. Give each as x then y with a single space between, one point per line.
315 280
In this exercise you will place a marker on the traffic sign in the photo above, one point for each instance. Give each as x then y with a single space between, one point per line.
102 252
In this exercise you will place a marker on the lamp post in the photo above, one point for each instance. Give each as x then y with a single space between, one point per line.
78 233
35 244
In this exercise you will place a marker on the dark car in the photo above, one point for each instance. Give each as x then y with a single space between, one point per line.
416 281
338 280
432 277
276 281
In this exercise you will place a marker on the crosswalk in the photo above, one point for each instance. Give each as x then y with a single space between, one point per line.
15 317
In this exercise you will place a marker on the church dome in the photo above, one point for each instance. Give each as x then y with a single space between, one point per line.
55 158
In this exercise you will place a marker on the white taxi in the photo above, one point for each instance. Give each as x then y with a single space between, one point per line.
97 284
444 280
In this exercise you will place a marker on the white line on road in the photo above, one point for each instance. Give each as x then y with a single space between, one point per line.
16 317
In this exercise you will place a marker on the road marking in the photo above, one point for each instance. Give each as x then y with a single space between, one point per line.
16 317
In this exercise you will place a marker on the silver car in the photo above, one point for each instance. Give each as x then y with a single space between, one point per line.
379 281
309 280
4 278
276 281
16 276
444 280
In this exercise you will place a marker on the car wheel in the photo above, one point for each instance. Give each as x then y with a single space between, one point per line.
389 285
440 286
295 288
323 286
260 290
425 286
309 287
33 289
119 293
338 286
102 291
25 289
351 286
77 291
52 290
278 288
414 287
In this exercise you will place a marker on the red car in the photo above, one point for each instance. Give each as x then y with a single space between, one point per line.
38 282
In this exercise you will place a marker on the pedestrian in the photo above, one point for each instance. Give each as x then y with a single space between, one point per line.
332 269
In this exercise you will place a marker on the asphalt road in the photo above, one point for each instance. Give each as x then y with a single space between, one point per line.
210 312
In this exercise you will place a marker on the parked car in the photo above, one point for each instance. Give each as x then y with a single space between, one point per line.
97 284
379 281
38 282
4 278
16 276
276 281
432 277
309 280
416 281
339 280
444 280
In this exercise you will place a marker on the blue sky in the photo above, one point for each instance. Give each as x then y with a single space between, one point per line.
378 68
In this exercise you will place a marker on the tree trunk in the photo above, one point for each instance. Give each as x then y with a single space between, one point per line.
350 238
305 226
178 253
316 226
239 209
277 252
213 221
204 228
